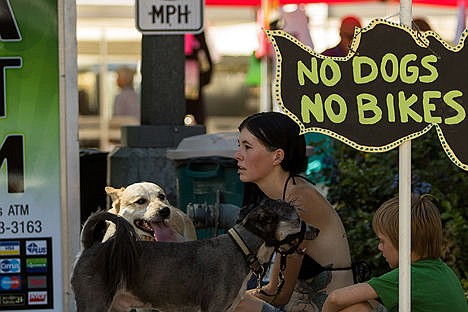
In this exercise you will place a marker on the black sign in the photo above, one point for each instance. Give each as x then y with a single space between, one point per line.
26 274
394 85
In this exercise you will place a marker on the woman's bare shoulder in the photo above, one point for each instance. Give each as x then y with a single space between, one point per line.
306 197
306 193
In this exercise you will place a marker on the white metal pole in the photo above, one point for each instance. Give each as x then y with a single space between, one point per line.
103 107
69 147
264 85
265 95
404 189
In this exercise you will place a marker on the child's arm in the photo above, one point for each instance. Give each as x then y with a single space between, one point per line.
344 297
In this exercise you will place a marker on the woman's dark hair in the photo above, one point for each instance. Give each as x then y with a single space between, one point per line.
276 130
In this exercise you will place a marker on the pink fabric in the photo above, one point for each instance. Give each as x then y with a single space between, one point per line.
264 45
191 43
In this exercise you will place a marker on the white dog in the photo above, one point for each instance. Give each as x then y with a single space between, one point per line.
145 206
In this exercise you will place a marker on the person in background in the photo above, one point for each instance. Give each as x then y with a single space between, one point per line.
296 23
347 26
434 286
199 69
127 101
420 23
323 144
83 102
271 156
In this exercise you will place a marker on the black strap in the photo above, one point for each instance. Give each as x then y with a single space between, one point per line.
286 186
361 271
294 182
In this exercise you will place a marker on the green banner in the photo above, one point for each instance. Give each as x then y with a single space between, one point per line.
30 139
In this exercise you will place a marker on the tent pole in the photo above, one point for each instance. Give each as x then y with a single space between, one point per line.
265 94
404 190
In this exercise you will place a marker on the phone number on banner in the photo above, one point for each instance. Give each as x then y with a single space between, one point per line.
15 227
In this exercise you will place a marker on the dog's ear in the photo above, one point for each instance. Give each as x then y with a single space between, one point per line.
115 196
311 232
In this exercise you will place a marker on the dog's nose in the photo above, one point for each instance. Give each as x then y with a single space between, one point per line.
164 212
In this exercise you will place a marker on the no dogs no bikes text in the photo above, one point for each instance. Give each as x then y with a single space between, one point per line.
391 106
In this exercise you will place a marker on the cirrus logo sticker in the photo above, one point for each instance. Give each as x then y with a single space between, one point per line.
12 265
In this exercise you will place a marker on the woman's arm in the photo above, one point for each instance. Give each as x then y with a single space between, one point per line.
291 272
347 296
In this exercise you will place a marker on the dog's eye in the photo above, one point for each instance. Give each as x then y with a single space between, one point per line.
141 201
162 196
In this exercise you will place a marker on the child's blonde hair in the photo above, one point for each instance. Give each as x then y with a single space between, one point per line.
426 225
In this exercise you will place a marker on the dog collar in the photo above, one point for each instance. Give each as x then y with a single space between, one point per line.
250 258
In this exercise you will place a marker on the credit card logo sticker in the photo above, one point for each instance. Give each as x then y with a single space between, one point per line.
9 248
37 281
10 282
37 297
36 247
12 300
36 265
12 265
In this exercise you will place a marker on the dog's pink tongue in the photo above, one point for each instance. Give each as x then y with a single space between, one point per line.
162 233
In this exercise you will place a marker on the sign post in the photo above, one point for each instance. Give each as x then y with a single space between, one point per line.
38 154
163 24
404 190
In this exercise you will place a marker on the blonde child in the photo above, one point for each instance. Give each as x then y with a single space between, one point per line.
434 286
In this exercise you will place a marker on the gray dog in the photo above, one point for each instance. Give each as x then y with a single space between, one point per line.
206 275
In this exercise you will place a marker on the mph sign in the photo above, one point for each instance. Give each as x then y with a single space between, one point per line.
155 17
